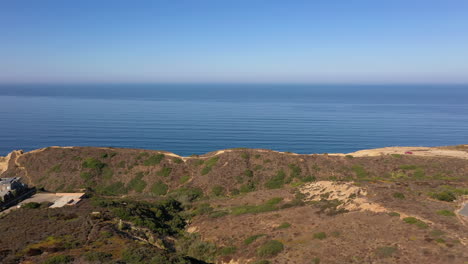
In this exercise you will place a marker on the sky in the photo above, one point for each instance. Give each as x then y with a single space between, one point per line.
241 41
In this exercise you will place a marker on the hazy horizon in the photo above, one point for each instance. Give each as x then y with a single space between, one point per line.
332 42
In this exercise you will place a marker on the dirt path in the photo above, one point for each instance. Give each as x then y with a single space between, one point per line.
417 151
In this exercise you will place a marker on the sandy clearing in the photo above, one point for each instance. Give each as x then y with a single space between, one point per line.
417 151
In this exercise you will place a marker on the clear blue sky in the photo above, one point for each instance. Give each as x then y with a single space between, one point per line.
234 41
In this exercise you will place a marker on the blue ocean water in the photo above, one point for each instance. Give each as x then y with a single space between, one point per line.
195 119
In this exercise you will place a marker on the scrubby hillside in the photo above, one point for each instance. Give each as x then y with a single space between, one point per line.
259 206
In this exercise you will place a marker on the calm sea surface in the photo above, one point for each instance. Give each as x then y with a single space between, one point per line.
187 119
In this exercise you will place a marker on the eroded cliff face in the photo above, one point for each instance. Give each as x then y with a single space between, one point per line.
5 161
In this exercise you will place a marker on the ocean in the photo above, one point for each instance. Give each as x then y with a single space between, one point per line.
198 118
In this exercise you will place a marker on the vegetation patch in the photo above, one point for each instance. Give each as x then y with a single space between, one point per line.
359 171
226 251
164 172
270 249
218 190
251 239
177 160
184 179
284 225
276 181
159 188
399 195
415 221
154 160
137 184
295 171
320 235
394 214
58 259
186 195
209 165
446 213
92 163
116 188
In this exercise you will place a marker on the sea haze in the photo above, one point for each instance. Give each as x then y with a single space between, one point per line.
195 119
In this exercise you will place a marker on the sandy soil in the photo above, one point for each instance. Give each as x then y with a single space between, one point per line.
417 151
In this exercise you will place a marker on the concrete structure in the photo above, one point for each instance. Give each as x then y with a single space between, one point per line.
11 187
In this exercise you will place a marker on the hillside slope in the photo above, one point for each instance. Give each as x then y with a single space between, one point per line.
260 206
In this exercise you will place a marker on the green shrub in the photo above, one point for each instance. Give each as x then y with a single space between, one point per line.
315 261
415 221
225 251
295 171
394 214
218 190
31 205
396 155
270 249
209 165
268 206
385 252
177 160
137 184
320 235
349 156
186 195
360 171
58 259
184 179
159 188
104 155
258 167
276 181
398 195
202 209
251 239
248 173
248 187
92 163
284 225
154 160
235 191
245 155
445 213
446 196
164 172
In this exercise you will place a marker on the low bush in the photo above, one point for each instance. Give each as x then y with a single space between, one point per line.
398 195
446 213
360 171
154 160
276 181
184 179
31 205
164 172
251 239
270 249
92 163
284 225
186 195
226 251
137 183
159 188
446 196
415 221
177 160
218 190
209 165
320 235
